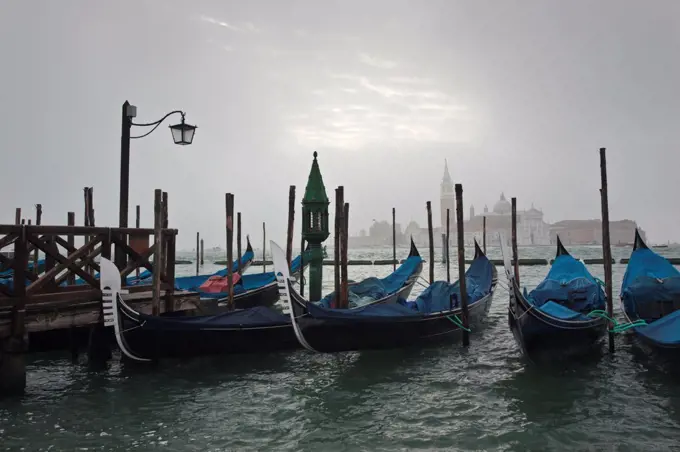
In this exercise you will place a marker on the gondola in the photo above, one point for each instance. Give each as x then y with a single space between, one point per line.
255 289
433 316
554 317
397 285
144 338
650 297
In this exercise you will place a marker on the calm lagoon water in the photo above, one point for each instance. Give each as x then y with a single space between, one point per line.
485 397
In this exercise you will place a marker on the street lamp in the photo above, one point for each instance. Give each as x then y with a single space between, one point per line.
182 134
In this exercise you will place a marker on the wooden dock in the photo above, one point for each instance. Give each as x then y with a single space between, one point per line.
65 293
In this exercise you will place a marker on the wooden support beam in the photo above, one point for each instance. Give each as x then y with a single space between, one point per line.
64 263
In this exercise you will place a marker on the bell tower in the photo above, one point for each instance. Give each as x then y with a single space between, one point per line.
447 198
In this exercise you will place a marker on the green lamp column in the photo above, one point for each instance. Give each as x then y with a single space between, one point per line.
315 227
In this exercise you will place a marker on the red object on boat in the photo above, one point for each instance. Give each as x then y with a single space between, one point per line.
219 284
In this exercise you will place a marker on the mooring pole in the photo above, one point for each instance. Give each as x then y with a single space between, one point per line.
38 219
71 221
446 249
515 258
164 226
339 203
17 216
137 225
461 264
158 252
429 233
302 267
202 254
238 242
264 247
198 240
606 245
343 261
229 207
394 239
484 234
291 224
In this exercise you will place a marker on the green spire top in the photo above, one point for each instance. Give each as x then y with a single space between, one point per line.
315 191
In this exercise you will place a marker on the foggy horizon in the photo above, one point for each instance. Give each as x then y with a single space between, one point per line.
517 96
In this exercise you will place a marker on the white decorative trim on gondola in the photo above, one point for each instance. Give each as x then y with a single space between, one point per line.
111 292
282 273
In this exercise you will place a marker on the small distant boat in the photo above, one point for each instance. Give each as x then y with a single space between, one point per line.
650 293
434 316
658 246
554 317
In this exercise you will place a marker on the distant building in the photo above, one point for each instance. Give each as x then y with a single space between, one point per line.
531 229
589 232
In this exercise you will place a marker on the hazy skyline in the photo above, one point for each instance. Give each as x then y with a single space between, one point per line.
517 95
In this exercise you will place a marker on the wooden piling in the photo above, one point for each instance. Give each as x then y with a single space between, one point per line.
446 250
429 234
515 260
23 221
291 224
264 247
38 220
484 234
198 241
17 216
302 267
71 221
343 263
137 225
158 251
202 261
443 248
238 242
606 245
229 207
339 205
461 264
394 239
164 225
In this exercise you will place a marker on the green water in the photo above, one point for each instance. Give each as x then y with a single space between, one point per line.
485 397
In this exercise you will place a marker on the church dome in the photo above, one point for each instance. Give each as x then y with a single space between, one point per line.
502 207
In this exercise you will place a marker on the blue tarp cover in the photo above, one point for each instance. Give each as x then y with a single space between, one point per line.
569 284
386 311
372 289
257 316
561 312
665 330
438 296
247 282
651 286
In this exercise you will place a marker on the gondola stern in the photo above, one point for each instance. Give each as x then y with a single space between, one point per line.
413 252
478 250
639 244
561 250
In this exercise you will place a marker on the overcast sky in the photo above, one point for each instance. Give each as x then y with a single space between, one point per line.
517 95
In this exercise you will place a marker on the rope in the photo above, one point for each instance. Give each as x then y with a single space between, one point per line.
457 321
618 327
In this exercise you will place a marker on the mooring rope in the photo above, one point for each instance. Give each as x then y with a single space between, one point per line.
618 327
458 322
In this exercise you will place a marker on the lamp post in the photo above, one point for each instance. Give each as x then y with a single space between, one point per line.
182 134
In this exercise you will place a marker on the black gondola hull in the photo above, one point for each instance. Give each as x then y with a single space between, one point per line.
376 333
263 296
537 333
157 344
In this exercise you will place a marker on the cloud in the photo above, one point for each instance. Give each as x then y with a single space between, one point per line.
376 62
246 26
410 80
